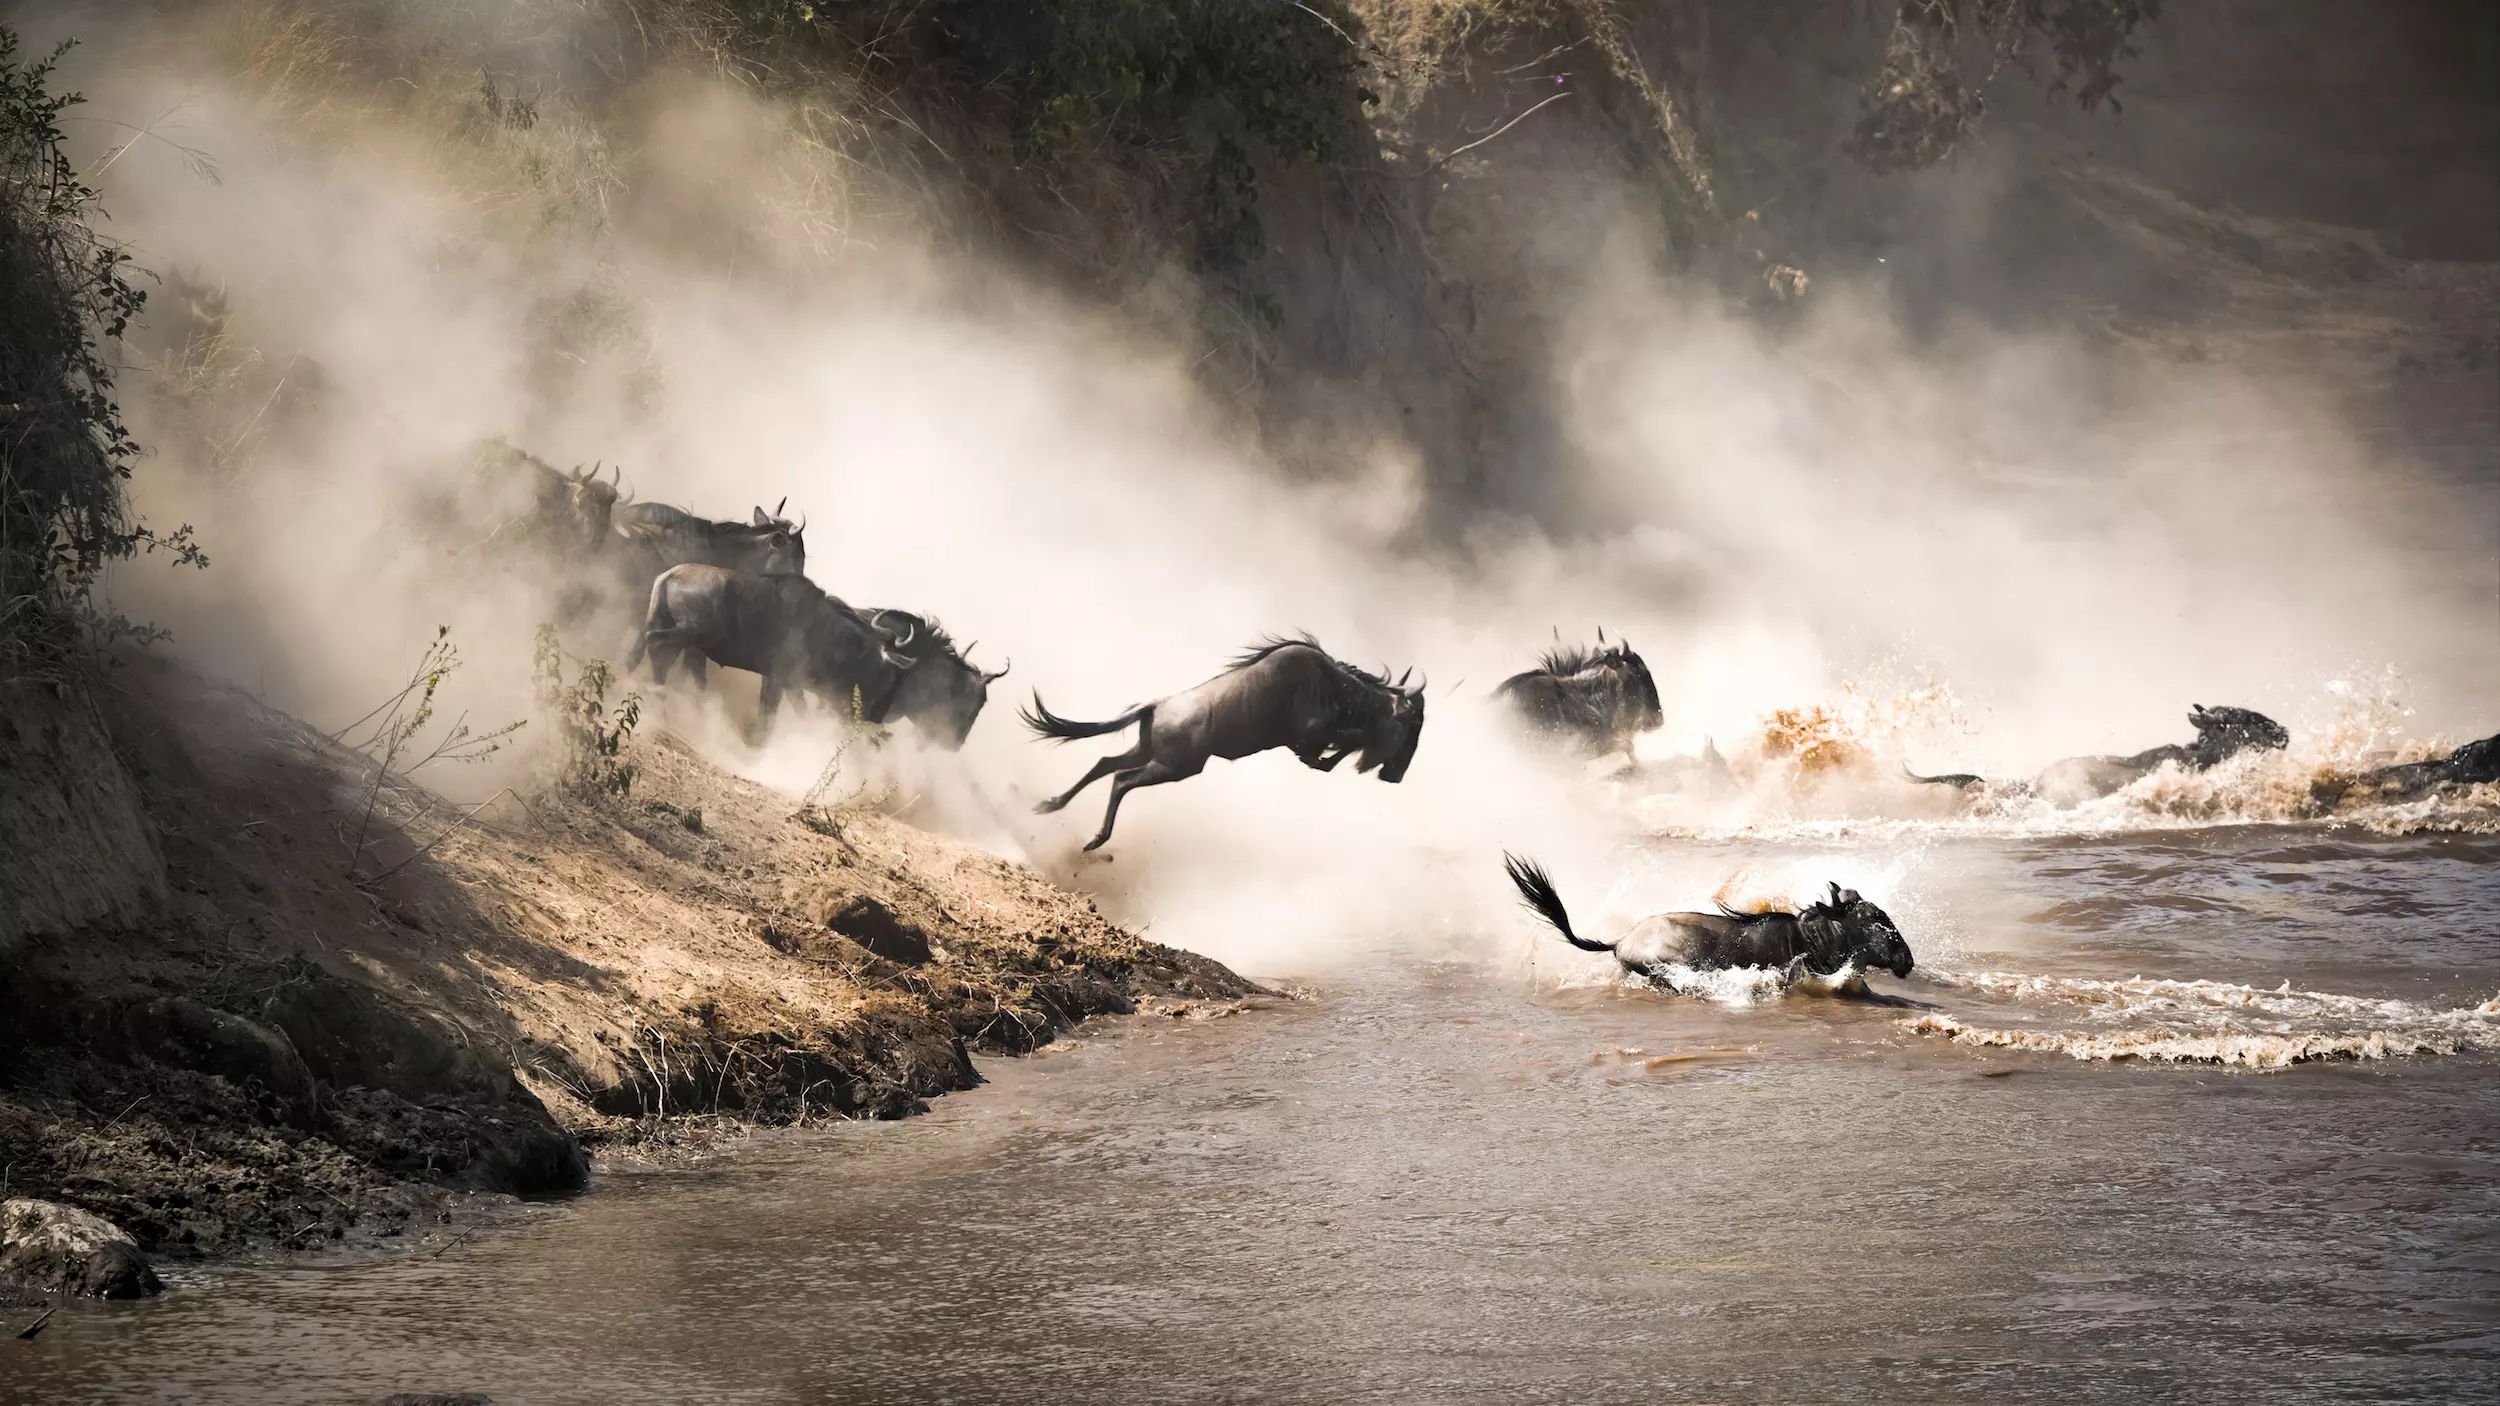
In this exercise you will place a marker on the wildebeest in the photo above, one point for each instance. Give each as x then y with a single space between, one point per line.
944 693
2221 734
657 536
569 513
783 627
1597 699
1286 693
1840 930
2475 763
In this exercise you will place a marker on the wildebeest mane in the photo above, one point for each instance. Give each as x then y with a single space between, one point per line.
1759 915
1564 660
1269 644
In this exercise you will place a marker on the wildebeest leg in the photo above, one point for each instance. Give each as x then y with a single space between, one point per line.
767 702
697 665
1122 762
1151 774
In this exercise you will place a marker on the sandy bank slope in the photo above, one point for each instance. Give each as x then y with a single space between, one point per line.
286 1053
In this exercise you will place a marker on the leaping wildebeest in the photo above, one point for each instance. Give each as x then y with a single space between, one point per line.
1286 693
2221 734
1824 936
782 627
1597 699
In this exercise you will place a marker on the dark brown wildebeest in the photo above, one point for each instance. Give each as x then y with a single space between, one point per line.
2221 734
2474 764
569 513
1828 934
944 695
782 627
1596 699
656 536
1284 693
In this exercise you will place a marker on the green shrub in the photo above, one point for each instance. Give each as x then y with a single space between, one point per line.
66 293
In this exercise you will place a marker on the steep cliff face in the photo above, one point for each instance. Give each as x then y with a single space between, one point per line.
77 849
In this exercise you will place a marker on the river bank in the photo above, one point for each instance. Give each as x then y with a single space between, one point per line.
1439 1179
254 1051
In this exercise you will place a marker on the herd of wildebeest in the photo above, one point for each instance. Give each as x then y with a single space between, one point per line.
736 594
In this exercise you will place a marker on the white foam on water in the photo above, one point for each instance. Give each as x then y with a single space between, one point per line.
2161 1021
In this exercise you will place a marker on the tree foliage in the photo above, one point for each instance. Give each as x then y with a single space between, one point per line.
66 294
1922 105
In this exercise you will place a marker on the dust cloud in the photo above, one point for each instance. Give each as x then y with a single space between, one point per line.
2064 553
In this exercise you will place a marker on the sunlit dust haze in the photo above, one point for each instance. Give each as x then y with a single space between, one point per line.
2055 548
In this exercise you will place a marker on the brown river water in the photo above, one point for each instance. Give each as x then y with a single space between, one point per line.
2208 1114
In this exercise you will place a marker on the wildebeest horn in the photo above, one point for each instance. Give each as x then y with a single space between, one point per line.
777 507
878 620
1601 634
802 527
1002 672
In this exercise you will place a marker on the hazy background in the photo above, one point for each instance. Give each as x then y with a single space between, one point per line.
2104 420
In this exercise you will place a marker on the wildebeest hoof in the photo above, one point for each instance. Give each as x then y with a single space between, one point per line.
1049 807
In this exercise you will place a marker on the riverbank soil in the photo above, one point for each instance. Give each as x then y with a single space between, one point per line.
241 1046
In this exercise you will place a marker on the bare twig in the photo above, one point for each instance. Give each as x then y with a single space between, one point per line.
463 1235
134 1103
1471 146
448 830
1550 53
1323 19
40 1319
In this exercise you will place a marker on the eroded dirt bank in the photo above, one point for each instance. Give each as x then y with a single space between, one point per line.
279 1056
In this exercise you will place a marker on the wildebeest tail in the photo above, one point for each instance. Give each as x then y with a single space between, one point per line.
1962 779
1046 723
1536 890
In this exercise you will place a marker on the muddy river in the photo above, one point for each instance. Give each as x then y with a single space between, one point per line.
1485 1178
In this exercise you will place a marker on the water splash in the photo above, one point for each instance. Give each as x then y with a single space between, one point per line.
2162 1021
1834 772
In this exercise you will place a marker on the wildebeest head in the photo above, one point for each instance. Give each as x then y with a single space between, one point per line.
945 698
1604 694
591 502
2223 733
1641 709
1395 728
780 546
1847 928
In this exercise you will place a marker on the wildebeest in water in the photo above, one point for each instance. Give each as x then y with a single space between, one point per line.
1284 693
2221 734
945 691
2474 764
782 627
1840 930
1596 699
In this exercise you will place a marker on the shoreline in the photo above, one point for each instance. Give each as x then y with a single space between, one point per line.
276 1055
